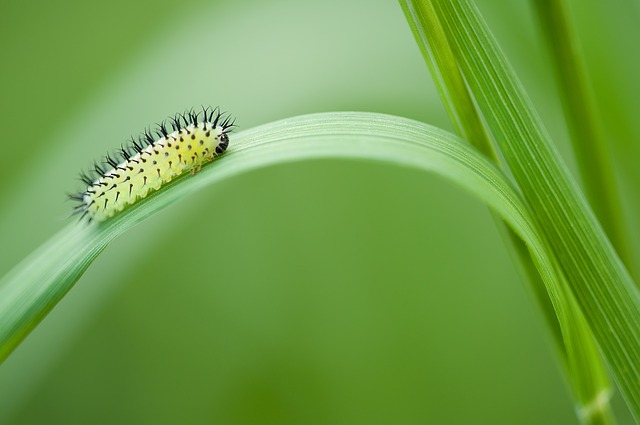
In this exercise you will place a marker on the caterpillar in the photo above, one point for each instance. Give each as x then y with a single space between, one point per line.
146 164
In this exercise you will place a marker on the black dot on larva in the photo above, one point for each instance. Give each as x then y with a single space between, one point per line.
207 134
193 136
166 154
141 170
169 144
155 162
189 147
181 139
177 147
201 142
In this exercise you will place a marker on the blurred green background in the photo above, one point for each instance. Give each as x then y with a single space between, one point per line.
318 292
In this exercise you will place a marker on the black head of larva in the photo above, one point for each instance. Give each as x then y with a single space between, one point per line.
121 177
227 126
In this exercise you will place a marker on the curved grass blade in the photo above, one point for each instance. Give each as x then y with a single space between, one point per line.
34 287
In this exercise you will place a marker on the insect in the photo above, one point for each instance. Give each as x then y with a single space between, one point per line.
146 164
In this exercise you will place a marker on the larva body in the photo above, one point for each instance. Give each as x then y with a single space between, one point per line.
149 163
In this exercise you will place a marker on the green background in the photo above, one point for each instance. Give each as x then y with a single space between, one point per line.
317 292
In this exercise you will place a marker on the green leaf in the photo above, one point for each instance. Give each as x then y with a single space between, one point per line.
581 362
33 288
603 287
589 143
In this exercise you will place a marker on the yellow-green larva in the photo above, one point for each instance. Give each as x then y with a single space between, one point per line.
150 162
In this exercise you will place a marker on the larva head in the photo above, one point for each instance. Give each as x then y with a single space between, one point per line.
223 128
223 143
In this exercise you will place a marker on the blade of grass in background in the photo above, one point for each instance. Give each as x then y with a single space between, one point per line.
581 363
604 289
589 144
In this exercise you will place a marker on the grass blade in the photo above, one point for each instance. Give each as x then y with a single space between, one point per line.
589 144
574 342
604 289
33 288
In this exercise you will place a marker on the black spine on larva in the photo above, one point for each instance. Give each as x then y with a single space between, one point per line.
110 161
98 169
85 178
135 145
227 123
78 209
162 129
175 123
218 115
75 197
143 141
148 138
184 118
125 153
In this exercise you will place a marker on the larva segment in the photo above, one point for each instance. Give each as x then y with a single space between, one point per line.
149 163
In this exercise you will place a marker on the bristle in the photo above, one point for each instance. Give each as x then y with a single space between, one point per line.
161 131
175 123
85 178
194 117
218 115
98 169
184 118
135 145
110 161
124 153
148 138
75 197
